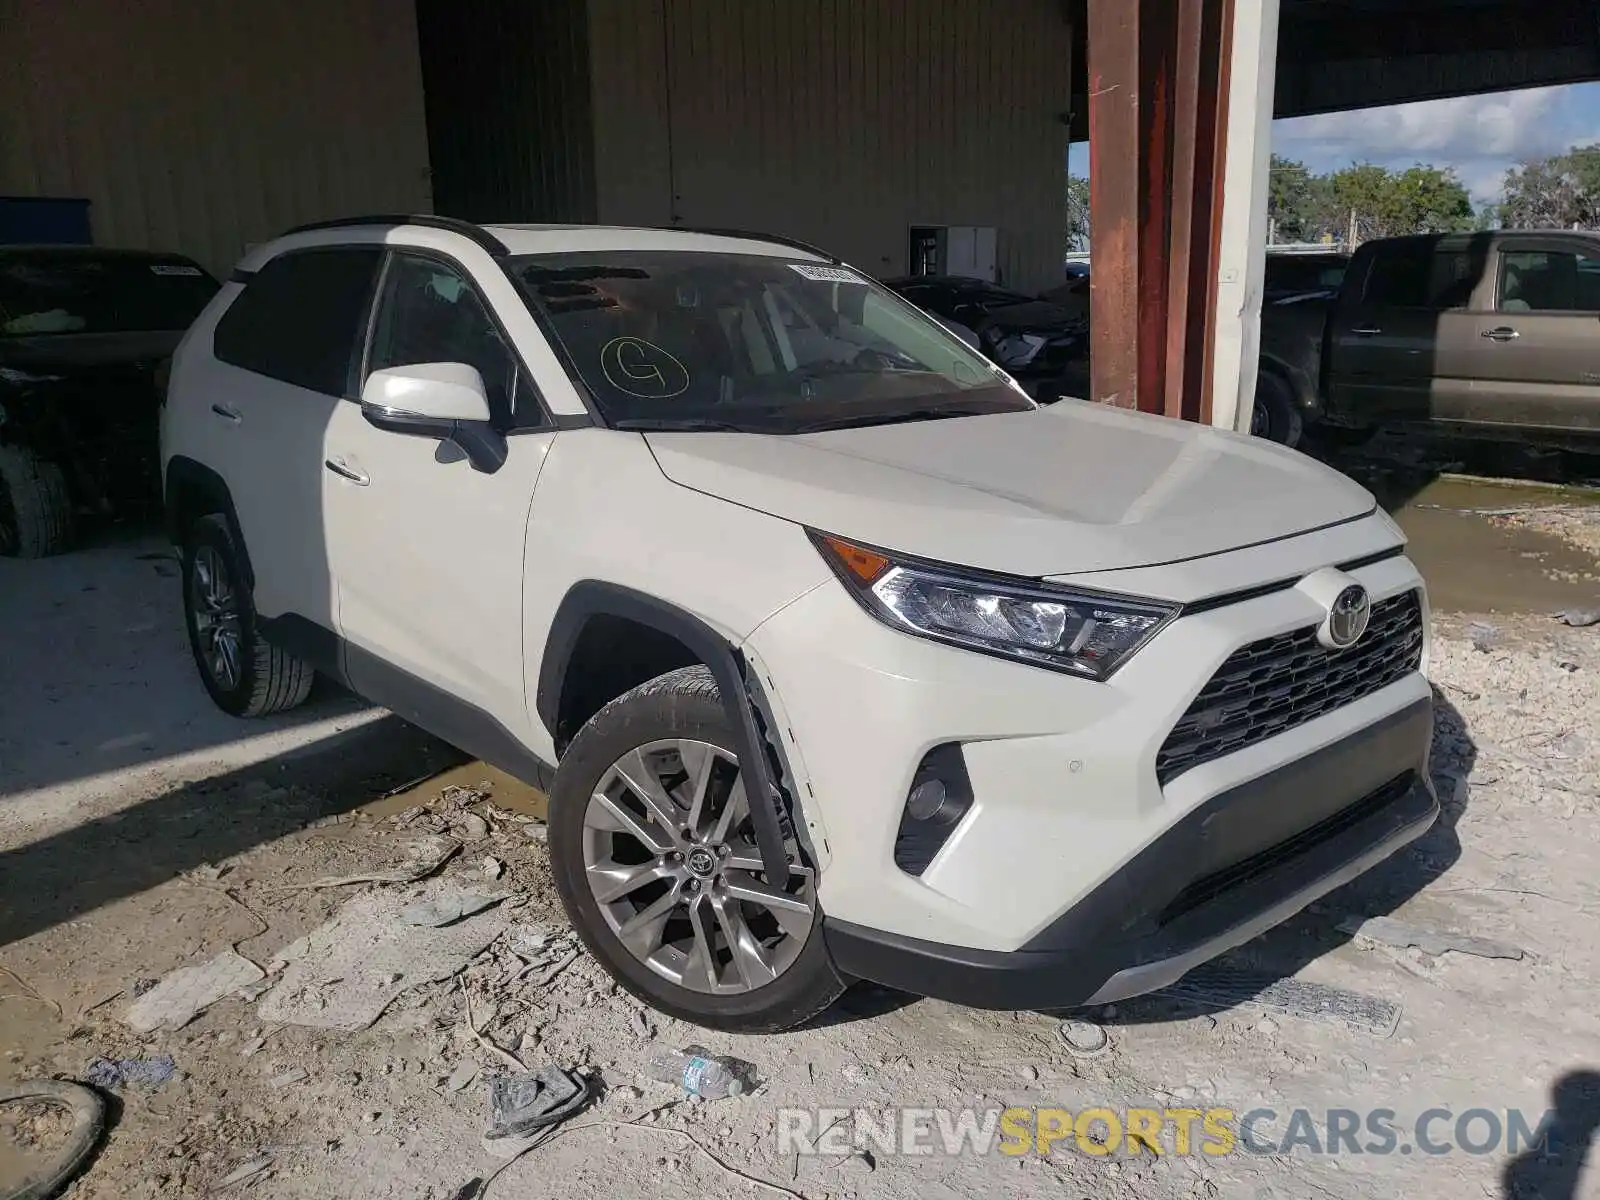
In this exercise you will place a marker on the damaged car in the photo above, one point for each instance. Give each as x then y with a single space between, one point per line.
85 337
1044 346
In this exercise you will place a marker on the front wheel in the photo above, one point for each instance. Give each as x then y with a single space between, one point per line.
657 865
245 674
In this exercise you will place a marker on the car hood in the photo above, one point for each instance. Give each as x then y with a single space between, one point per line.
1075 487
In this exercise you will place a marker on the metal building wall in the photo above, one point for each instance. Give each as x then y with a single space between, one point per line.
507 85
205 125
843 122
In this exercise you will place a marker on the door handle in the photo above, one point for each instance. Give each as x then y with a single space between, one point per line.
228 413
1503 333
1366 331
343 469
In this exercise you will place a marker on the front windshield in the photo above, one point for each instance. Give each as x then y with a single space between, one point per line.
689 339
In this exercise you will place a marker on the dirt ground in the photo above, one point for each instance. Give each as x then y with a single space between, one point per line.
141 832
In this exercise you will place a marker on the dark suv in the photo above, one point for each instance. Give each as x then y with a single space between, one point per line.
85 336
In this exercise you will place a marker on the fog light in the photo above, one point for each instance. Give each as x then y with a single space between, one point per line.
939 796
927 800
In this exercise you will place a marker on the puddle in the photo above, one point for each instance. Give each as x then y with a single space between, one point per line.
504 790
1473 563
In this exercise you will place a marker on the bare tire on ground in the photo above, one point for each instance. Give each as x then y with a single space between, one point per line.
88 1113
35 507
657 865
246 675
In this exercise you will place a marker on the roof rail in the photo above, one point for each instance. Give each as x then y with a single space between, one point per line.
751 235
477 233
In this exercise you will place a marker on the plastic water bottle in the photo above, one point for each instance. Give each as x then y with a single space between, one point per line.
700 1073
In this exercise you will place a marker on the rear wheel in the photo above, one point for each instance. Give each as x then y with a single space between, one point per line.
35 507
1275 416
246 675
656 861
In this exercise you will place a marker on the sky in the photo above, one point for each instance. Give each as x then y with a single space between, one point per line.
1480 136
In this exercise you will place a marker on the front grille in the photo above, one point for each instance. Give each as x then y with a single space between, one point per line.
1280 682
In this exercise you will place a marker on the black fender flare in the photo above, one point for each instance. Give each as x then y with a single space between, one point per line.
185 476
760 755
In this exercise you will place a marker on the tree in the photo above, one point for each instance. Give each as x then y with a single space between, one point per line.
1296 201
1077 213
1560 192
1385 203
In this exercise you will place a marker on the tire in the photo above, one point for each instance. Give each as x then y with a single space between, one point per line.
88 1113
674 727
1275 417
35 508
263 679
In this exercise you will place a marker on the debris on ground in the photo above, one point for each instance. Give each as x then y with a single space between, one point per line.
248 1170
135 1072
187 992
1483 636
420 857
461 1078
700 1073
344 974
1579 618
526 1104
493 868
290 1077
449 906
1083 1039
1219 986
471 828
1389 932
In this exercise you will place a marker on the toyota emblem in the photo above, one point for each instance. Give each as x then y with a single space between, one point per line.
1348 616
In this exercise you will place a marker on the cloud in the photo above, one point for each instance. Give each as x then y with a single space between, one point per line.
1477 136
1505 125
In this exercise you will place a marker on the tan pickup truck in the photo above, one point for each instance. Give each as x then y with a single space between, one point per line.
1487 331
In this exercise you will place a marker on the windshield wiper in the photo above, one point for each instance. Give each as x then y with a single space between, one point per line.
895 418
682 425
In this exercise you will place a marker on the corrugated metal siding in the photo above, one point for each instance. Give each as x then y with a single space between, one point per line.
507 86
843 122
205 125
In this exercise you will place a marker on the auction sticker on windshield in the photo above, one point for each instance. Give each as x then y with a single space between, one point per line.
826 274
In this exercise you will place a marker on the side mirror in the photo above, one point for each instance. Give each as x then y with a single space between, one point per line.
445 400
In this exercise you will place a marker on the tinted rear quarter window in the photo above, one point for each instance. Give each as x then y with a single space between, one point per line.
301 319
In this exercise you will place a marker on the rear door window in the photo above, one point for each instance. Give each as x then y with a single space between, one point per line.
301 318
1424 278
1549 281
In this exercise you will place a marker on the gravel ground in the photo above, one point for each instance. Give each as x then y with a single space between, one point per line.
115 877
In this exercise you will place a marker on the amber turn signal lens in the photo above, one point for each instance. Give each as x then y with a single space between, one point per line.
865 565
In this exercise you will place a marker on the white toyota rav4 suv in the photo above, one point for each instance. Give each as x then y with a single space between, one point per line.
839 657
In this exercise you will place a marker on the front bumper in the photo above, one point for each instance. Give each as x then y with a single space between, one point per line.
1231 869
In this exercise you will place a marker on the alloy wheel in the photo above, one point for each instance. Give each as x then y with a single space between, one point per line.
671 860
217 621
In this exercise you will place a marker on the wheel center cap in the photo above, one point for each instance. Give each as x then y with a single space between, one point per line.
701 863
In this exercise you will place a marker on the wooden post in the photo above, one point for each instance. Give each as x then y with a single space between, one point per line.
1157 74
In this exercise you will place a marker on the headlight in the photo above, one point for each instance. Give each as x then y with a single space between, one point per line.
1083 633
